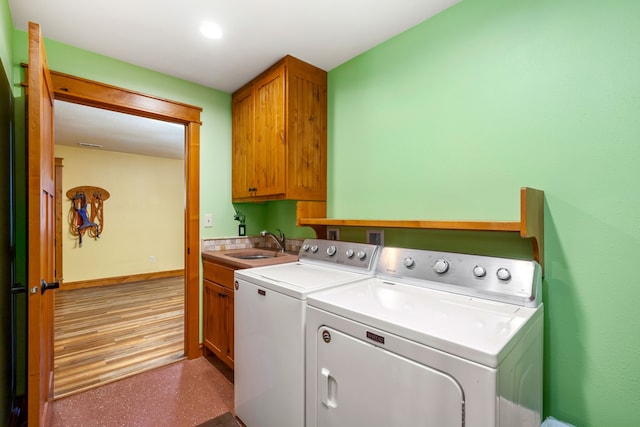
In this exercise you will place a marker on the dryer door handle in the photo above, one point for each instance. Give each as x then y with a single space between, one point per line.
329 389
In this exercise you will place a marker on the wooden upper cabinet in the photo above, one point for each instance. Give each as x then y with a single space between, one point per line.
279 134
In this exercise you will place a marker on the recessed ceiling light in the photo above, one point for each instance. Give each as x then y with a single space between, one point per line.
211 31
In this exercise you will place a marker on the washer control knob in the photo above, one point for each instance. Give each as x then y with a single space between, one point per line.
314 248
361 254
331 250
350 253
441 266
408 262
503 274
479 271
305 248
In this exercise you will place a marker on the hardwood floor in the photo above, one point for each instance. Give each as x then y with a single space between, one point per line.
106 333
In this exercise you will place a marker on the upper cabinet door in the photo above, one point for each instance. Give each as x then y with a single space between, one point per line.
270 139
242 132
307 133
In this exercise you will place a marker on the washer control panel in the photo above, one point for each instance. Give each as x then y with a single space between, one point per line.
500 279
360 256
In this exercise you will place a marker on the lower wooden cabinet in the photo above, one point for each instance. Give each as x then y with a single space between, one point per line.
218 311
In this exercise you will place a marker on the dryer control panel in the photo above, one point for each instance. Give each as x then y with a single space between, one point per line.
357 256
501 279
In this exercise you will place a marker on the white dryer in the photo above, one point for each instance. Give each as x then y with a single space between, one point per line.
435 339
269 317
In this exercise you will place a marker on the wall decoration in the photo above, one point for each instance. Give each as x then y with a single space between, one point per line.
89 220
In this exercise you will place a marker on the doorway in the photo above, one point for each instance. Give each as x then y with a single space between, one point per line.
120 308
86 92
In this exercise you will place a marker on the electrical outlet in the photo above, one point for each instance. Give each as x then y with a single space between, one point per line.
152 259
208 220
375 237
333 234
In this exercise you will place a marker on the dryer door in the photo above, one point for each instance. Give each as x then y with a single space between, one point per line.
359 384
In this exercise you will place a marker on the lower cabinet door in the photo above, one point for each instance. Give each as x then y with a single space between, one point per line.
217 310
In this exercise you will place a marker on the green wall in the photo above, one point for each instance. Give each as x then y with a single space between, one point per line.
272 216
449 119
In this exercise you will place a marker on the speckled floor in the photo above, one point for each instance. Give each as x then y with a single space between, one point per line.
183 394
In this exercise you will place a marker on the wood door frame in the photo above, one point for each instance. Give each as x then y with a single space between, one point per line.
95 94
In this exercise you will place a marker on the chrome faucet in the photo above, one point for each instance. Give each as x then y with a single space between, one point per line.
279 240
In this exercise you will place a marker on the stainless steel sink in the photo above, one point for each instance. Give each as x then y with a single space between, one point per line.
252 255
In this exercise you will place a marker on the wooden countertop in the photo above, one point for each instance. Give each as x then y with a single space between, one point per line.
230 259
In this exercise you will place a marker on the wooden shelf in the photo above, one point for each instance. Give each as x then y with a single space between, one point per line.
530 226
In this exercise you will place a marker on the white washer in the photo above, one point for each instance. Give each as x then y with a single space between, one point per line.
435 339
270 314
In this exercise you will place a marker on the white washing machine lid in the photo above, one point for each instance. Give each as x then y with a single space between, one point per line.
475 329
298 279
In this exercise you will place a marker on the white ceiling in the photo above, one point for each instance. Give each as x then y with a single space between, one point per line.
164 36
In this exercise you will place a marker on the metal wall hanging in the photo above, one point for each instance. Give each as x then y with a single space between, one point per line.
83 219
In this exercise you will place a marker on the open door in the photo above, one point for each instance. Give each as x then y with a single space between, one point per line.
40 233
